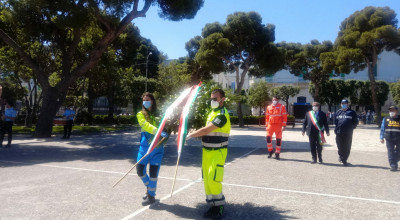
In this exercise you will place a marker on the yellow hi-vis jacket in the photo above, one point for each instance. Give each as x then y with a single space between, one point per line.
219 137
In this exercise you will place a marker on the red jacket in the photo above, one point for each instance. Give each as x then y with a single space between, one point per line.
276 115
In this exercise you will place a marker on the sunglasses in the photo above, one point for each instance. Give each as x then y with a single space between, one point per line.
214 99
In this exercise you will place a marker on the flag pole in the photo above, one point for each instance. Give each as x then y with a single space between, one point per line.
176 171
147 154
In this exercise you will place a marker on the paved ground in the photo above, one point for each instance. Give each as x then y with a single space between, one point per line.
72 179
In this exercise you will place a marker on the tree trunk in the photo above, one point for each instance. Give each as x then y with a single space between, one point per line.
371 66
316 92
377 108
240 114
110 108
51 104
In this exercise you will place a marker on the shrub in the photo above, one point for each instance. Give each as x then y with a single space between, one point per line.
255 120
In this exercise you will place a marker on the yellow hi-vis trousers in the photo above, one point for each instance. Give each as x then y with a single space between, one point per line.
213 173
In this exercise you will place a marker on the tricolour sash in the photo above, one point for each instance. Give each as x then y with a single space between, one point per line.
321 138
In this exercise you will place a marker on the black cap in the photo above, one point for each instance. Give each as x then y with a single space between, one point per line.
345 101
393 108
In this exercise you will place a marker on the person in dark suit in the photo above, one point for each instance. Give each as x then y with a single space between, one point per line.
315 123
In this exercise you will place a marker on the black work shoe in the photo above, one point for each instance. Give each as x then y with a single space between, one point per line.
345 163
209 212
320 161
313 161
217 212
393 169
277 157
149 200
145 196
270 154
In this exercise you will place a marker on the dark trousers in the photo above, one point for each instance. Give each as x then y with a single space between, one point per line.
315 147
393 148
7 128
68 128
343 142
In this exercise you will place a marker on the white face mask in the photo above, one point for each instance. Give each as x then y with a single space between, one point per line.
214 104
274 102
392 114
315 108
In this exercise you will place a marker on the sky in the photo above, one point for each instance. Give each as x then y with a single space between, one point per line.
295 20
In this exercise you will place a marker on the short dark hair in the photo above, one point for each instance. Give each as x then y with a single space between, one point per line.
275 96
220 91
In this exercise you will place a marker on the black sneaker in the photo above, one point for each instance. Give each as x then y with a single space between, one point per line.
321 161
313 161
277 157
218 212
270 154
149 200
393 169
209 212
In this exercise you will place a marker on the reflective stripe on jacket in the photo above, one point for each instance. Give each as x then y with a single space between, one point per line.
276 114
219 137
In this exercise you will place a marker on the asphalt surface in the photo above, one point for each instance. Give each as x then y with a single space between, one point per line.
72 179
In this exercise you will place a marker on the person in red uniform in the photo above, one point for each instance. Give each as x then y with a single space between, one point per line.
275 122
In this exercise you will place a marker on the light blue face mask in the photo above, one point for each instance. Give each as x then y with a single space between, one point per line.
344 106
147 104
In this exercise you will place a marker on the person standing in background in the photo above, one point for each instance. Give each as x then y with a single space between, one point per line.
390 131
346 121
9 116
69 115
314 124
275 122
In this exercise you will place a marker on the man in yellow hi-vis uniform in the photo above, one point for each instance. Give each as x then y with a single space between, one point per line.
215 142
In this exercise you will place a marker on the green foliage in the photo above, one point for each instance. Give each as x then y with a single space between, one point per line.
332 91
242 45
362 37
201 107
305 60
254 120
395 89
258 94
285 92
359 93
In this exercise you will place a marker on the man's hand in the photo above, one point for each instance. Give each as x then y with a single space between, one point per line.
327 134
283 128
302 133
382 141
164 134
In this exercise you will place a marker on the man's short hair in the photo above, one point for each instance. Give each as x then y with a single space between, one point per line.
220 91
316 103
277 97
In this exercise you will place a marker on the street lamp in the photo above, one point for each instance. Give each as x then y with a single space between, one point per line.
147 63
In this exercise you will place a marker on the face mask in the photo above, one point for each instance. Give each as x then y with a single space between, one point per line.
214 104
392 114
344 106
315 108
147 104
274 102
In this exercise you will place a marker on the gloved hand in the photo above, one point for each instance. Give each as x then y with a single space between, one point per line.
164 134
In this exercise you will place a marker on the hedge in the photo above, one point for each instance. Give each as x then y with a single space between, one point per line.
255 120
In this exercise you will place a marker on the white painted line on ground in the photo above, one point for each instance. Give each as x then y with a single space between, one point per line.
84 169
312 193
162 199
181 189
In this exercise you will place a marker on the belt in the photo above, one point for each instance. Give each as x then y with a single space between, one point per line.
214 148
